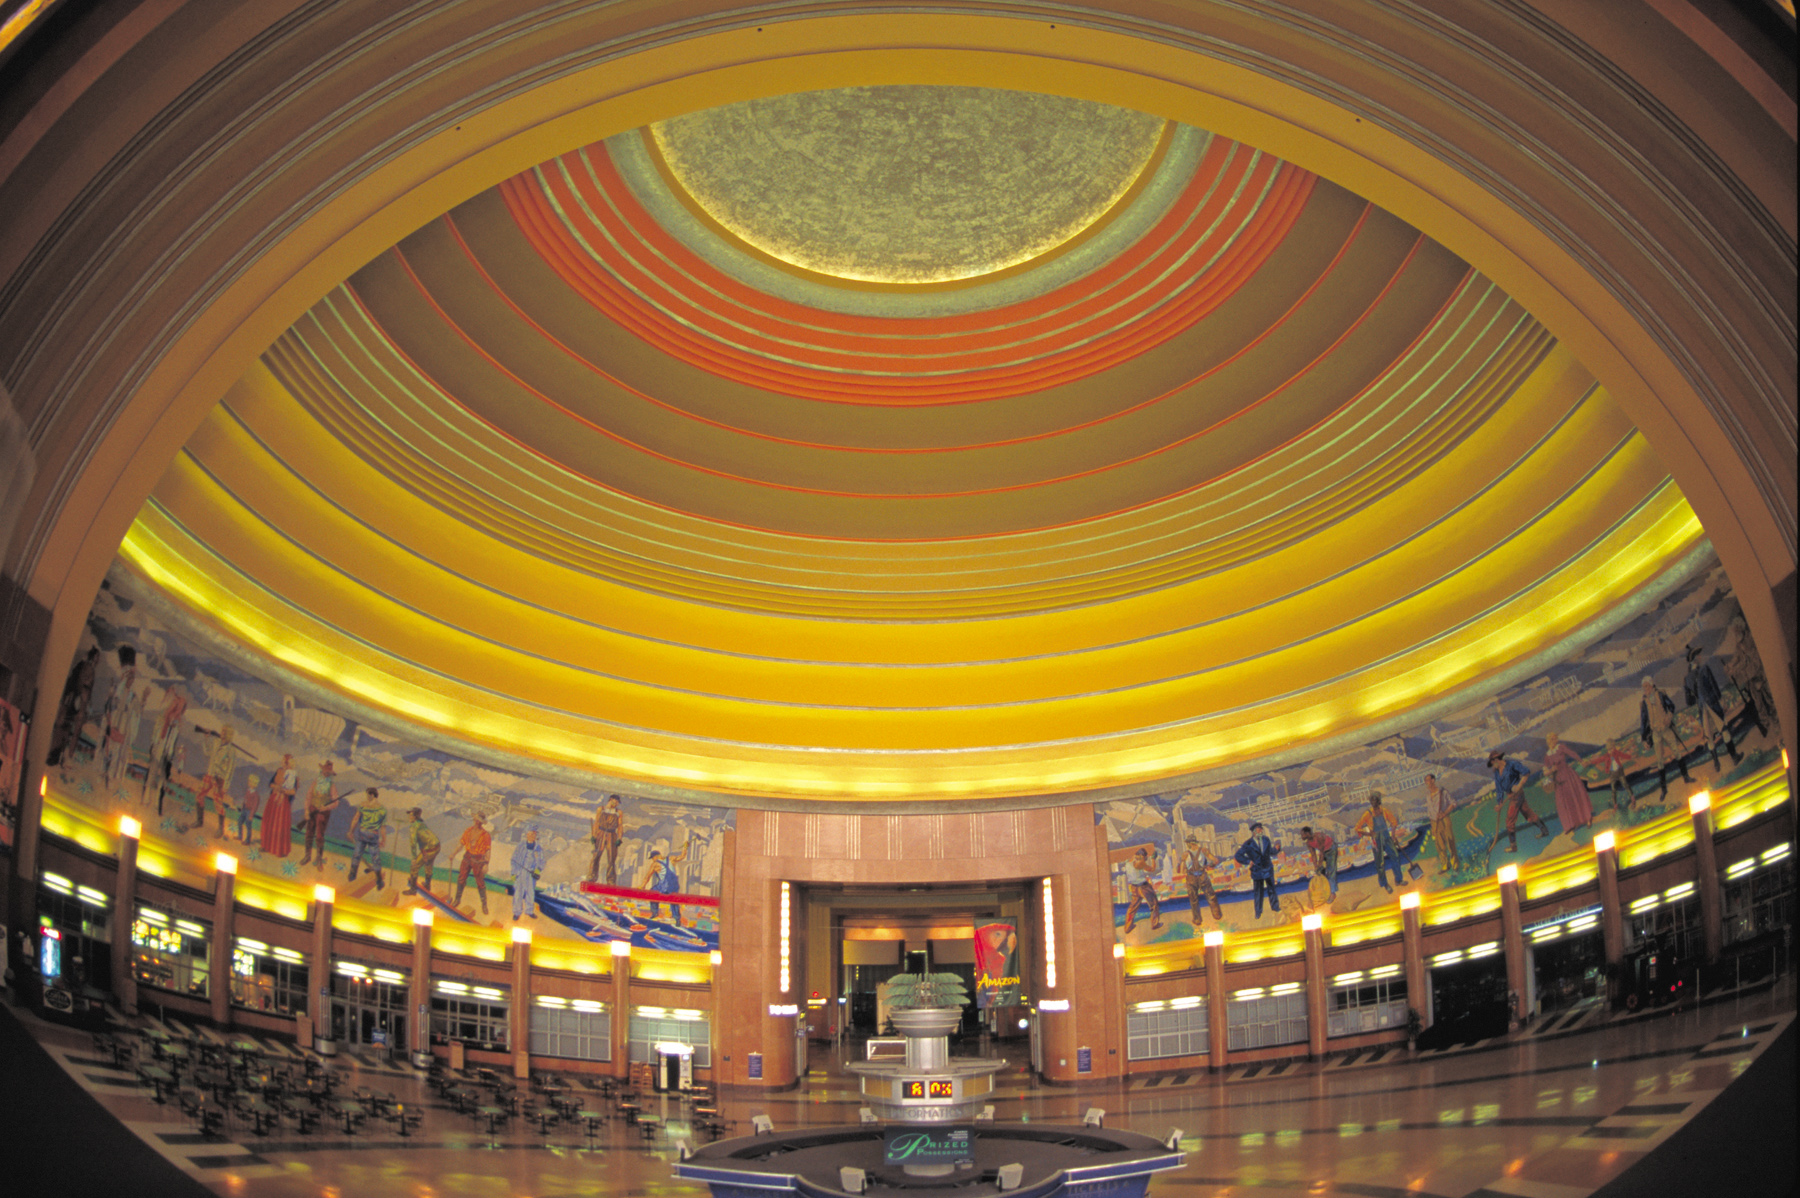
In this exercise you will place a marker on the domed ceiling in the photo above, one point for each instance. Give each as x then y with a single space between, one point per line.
909 444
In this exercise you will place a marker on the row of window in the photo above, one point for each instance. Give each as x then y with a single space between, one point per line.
1265 1017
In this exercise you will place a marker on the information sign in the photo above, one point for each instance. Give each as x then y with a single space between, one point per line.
929 1146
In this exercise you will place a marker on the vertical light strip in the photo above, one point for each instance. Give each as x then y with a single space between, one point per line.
1049 938
786 933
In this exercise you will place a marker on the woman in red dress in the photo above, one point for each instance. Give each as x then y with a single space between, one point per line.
278 812
1572 805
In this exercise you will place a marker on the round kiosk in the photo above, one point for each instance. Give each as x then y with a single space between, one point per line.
927 1128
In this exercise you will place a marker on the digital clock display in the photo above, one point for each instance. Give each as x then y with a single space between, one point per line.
935 1088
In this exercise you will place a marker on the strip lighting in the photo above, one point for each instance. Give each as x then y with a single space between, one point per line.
351 970
152 915
1347 979
1049 938
452 988
288 954
1184 1002
786 935
1478 951
1155 1004
255 946
1648 902
192 929
488 992
587 1004
1245 995
388 975
1385 971
59 883
1284 988
550 1000
1679 890
1449 958
92 897
1054 1004
1770 856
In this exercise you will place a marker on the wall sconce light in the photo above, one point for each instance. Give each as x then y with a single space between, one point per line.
130 828
421 917
1603 843
621 948
1049 938
1118 951
1409 900
225 863
1699 802
718 958
1312 922
1213 939
324 894
1508 873
521 935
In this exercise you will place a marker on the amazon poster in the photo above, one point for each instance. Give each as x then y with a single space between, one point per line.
1672 701
997 964
211 757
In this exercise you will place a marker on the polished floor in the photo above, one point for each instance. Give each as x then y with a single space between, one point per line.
1556 1113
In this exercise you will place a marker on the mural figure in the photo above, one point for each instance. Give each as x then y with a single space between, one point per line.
425 846
221 761
1258 852
1657 727
1509 793
1701 690
1439 805
72 711
607 831
1322 847
1615 761
278 814
527 863
1378 824
1194 871
368 828
1745 669
1570 793
246 813
167 749
321 801
474 846
1137 881
118 725
660 878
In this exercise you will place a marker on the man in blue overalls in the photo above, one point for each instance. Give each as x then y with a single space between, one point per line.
660 878
527 863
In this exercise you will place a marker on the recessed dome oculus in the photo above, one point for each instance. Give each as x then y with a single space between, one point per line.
907 185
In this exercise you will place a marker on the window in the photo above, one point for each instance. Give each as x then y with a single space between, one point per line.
1758 896
1266 1016
274 980
575 1029
651 1026
170 953
1366 1001
1669 921
475 1015
1176 1028
83 915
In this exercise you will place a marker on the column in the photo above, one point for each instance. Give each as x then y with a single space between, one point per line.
519 1015
318 971
1612 917
418 990
1706 874
779 1065
1512 941
621 1008
1312 927
1216 1000
223 940
124 981
1412 943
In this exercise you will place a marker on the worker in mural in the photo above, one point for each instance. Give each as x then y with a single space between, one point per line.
473 847
117 723
1379 825
368 828
1195 871
660 878
1138 874
527 863
607 830
1322 847
425 848
1439 805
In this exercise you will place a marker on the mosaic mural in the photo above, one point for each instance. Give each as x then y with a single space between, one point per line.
214 758
1672 702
